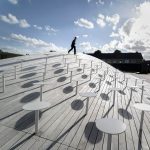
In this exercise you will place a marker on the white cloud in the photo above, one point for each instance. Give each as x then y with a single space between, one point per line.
101 16
113 34
29 41
37 27
14 2
113 20
134 34
50 30
100 2
100 20
101 23
47 28
85 35
125 30
84 23
35 43
4 38
24 24
11 19
97 1
110 47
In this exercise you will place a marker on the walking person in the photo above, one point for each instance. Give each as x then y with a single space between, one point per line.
73 46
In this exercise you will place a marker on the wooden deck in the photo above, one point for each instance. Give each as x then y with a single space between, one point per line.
65 126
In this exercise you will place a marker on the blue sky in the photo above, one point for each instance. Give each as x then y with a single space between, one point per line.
32 26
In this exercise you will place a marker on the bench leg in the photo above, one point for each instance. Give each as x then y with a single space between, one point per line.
87 105
36 121
109 142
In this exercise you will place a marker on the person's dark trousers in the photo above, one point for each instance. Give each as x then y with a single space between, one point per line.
72 47
74 50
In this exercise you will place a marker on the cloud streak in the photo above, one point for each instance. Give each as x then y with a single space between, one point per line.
37 27
97 1
50 30
11 19
84 23
23 23
35 43
14 2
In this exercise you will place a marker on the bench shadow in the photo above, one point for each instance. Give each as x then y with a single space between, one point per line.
111 76
77 104
68 89
140 136
108 83
100 75
121 82
61 79
29 84
92 85
30 97
124 113
122 92
28 75
79 69
148 98
26 121
92 134
134 90
56 65
29 68
84 76
92 70
58 71
104 96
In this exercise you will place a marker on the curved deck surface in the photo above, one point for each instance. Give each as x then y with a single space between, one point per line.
65 125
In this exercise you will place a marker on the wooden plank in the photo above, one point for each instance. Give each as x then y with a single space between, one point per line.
21 141
8 136
12 141
39 141
49 145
